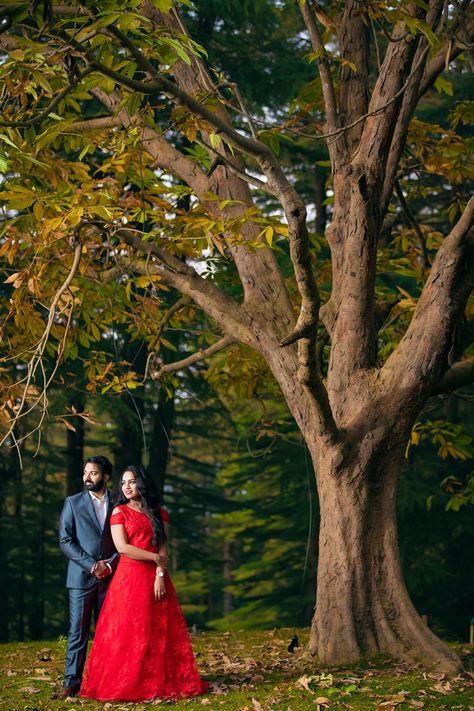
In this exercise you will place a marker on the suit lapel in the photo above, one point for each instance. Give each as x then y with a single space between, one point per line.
90 510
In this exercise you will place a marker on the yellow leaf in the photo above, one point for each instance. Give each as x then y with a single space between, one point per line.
269 235
142 281
38 210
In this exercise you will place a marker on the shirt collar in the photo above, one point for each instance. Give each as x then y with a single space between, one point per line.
98 501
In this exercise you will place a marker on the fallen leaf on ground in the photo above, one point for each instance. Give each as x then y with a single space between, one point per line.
322 701
29 690
393 701
442 688
304 682
216 687
257 706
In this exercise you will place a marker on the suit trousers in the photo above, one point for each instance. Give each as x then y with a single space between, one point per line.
81 604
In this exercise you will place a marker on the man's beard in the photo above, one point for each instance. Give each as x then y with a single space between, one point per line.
98 486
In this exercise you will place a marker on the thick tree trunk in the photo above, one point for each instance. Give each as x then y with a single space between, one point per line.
362 605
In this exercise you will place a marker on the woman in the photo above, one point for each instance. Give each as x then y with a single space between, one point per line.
141 648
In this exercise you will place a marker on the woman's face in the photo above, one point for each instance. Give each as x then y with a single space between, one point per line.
130 487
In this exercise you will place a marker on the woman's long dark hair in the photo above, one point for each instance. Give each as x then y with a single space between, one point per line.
149 499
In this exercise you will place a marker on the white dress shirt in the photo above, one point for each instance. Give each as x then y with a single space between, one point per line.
100 508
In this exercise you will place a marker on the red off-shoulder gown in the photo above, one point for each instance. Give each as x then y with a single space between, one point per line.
141 649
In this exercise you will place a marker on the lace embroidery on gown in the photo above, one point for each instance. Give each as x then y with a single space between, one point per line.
141 649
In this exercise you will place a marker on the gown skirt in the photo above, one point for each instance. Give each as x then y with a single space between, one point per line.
141 649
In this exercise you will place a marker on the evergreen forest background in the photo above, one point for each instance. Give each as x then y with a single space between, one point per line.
240 490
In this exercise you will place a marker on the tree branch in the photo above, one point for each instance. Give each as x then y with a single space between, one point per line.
164 154
222 308
437 66
240 173
183 301
49 109
428 339
323 64
95 124
460 375
353 37
277 182
308 375
413 222
409 103
194 358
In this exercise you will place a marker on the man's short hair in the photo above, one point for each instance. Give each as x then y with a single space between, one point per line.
102 462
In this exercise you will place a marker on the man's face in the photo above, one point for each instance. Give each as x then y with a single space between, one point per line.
93 478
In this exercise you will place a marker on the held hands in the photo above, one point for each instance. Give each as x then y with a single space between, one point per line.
101 569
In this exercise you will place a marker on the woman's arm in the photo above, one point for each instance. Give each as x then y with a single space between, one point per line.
163 552
159 587
122 545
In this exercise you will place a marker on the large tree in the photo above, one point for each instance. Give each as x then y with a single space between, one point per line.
134 166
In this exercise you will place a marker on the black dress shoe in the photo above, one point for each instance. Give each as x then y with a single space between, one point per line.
65 693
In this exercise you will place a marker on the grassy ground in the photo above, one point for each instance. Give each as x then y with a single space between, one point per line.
249 671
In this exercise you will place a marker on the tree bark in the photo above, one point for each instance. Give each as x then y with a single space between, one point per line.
362 605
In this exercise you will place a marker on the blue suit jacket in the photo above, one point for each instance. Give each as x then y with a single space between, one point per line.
82 541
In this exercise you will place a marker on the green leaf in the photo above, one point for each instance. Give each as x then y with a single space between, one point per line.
84 151
215 140
163 5
442 85
9 142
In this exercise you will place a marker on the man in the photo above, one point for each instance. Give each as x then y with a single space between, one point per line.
85 538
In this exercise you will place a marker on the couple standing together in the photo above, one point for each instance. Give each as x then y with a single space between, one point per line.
117 567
